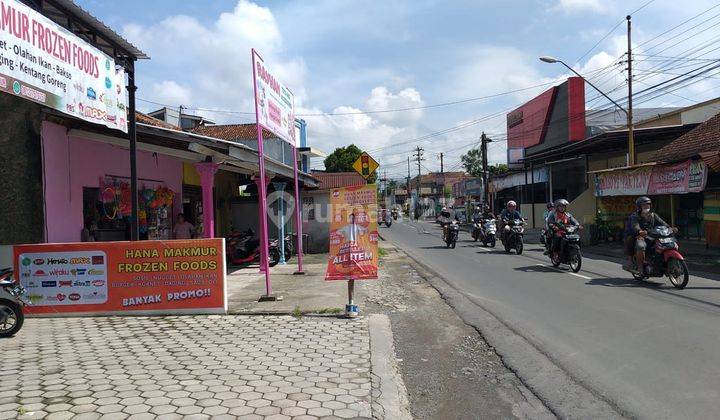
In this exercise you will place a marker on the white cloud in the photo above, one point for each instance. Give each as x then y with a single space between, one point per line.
381 99
574 6
170 92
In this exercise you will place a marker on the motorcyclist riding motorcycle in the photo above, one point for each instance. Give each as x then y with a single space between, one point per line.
445 220
546 234
510 212
559 216
636 230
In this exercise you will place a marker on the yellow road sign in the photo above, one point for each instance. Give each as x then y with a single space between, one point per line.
365 165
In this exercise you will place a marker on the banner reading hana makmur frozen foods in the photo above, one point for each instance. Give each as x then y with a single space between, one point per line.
274 101
43 62
353 233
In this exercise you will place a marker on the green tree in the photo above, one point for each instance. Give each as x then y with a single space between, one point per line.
342 159
472 162
498 169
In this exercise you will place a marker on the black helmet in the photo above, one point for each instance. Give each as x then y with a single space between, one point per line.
550 205
643 200
562 202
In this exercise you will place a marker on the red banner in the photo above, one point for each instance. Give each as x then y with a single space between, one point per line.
353 234
680 178
159 277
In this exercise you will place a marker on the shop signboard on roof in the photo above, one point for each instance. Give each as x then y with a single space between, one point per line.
633 182
275 102
679 178
45 63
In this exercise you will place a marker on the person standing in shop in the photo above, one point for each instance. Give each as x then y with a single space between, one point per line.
183 229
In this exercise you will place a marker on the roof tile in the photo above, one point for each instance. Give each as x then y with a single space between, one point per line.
703 138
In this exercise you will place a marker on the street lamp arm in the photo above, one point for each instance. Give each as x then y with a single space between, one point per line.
595 87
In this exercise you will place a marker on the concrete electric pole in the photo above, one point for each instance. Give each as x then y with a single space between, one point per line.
484 140
419 157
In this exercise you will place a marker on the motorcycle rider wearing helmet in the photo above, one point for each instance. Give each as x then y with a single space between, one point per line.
548 232
639 222
509 213
445 219
554 221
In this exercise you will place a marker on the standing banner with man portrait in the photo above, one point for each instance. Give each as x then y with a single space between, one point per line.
353 233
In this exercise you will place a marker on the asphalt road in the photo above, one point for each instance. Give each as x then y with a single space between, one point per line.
651 350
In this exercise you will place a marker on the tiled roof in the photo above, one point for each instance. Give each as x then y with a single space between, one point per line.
329 180
231 132
146 119
703 138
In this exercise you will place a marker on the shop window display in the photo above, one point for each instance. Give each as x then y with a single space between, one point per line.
107 217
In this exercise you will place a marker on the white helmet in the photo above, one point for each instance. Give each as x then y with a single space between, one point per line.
511 203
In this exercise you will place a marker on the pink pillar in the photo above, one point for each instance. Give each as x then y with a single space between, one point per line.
298 215
207 172
261 223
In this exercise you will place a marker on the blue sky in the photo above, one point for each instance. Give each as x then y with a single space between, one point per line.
347 56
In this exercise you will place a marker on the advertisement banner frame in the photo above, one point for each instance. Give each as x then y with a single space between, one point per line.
130 275
272 102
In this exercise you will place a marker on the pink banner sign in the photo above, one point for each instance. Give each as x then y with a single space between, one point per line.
632 182
680 178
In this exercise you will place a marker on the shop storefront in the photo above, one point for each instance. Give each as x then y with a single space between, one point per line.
677 190
87 189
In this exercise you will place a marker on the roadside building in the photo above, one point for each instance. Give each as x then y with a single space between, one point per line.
555 146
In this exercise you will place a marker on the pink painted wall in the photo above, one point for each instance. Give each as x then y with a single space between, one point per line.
72 163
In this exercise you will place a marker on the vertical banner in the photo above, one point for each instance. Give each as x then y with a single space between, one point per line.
155 277
353 233
275 102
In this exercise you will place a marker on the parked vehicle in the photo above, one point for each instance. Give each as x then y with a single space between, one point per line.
663 258
289 247
453 231
512 237
12 299
243 249
569 252
488 231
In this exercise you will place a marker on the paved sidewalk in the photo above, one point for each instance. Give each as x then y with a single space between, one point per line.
273 367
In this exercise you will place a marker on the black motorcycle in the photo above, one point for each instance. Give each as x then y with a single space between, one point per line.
512 236
453 231
569 252
394 213
12 299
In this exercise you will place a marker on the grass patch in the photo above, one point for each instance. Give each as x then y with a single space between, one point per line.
382 252
325 311
297 313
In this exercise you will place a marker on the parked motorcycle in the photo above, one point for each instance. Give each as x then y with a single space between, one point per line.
453 231
12 299
569 252
662 258
512 237
243 249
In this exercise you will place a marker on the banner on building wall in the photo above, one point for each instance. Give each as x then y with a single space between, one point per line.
159 277
353 233
539 175
680 178
274 101
43 62
633 182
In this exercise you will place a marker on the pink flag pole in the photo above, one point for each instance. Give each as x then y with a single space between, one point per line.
298 215
262 191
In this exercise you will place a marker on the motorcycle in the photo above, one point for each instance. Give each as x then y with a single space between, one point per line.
512 237
569 252
666 260
476 227
385 218
395 214
13 298
488 231
243 249
451 237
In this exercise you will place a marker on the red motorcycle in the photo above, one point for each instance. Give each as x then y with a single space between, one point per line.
242 248
662 258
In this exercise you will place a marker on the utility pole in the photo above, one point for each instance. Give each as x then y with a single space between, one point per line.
442 181
418 155
631 137
407 188
484 140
